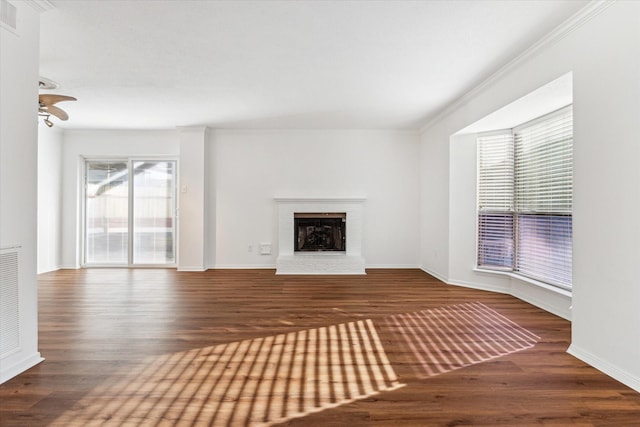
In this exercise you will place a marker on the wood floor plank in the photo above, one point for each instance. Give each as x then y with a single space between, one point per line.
156 347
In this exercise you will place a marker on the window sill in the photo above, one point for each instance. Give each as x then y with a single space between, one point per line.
555 289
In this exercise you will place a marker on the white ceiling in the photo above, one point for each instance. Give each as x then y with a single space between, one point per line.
159 64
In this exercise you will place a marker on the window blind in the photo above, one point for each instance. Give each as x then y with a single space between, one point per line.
544 197
525 188
496 172
496 200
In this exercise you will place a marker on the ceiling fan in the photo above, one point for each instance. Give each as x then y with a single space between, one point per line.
47 101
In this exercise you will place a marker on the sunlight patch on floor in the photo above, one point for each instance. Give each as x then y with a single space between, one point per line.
452 337
252 382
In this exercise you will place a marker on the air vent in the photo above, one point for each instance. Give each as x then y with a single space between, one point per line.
9 301
8 16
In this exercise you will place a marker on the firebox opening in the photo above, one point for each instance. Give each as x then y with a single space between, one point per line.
320 232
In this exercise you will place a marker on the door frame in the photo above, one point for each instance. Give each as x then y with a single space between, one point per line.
130 206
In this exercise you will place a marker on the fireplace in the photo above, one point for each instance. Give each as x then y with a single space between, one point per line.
320 232
320 235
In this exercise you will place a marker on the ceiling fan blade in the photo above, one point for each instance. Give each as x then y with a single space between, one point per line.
55 111
50 98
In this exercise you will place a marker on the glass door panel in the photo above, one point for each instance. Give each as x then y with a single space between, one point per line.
107 212
153 212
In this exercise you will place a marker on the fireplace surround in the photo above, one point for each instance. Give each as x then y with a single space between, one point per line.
327 252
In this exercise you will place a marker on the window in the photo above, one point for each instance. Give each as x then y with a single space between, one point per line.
525 185
129 212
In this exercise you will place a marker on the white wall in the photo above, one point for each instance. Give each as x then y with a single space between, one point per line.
603 52
18 180
193 200
250 168
80 144
242 173
49 198
434 201
606 298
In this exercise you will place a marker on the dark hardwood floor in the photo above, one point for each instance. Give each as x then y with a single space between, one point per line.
158 347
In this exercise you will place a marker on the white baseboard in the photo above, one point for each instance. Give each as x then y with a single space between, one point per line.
273 266
472 285
51 270
243 267
602 365
200 269
554 303
8 372
438 276
396 266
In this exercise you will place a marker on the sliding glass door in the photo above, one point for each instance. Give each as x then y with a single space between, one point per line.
130 212
107 212
153 212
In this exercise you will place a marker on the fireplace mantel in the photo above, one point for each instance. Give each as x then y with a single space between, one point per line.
328 200
348 262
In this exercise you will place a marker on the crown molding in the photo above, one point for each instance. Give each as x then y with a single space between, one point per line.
193 129
576 21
